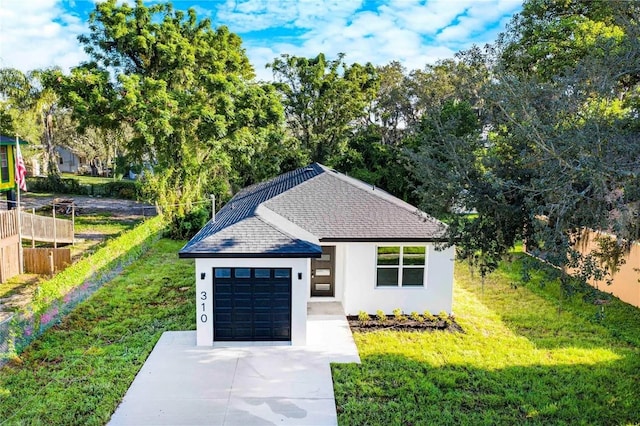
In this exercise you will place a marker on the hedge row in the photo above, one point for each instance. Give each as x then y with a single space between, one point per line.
126 189
56 297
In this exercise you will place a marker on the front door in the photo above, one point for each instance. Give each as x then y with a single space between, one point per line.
322 273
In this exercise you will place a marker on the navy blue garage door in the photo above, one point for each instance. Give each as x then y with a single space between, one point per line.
251 304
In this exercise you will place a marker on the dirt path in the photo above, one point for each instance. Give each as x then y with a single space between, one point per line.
85 204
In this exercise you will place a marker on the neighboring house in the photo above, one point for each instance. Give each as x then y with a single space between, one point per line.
625 282
69 161
7 166
313 234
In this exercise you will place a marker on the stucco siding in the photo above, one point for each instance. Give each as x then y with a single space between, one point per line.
625 283
361 293
299 292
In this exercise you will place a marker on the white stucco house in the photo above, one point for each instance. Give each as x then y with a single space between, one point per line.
313 234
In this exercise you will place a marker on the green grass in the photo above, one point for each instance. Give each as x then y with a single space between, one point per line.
104 223
519 362
114 252
78 371
88 180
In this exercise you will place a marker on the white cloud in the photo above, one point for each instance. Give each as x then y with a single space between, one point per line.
425 18
476 19
39 34
256 15
42 33
414 32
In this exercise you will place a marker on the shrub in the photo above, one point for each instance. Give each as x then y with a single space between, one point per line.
381 316
185 227
428 316
397 313
126 189
53 183
363 317
416 317
444 317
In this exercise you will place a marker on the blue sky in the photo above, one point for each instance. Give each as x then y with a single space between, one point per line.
42 33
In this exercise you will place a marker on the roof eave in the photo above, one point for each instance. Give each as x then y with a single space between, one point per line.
384 240
190 255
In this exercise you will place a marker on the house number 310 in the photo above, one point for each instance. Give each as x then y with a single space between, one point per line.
203 296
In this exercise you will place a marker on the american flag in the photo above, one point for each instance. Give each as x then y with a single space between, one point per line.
21 170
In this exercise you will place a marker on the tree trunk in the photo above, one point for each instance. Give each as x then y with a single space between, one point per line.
49 147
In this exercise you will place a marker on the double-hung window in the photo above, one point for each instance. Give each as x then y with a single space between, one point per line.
401 266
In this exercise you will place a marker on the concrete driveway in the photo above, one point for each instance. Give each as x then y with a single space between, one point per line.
182 384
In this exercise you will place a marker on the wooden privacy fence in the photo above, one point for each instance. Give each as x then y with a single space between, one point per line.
9 245
46 260
34 228
46 229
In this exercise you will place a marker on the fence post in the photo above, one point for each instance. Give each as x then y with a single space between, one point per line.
33 231
55 240
51 264
20 252
73 224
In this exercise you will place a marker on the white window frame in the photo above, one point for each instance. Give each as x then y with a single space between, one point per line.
400 266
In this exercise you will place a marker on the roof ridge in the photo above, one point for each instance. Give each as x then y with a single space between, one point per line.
323 171
252 190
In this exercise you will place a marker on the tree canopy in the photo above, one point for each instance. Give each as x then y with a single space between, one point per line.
561 148
185 89
324 100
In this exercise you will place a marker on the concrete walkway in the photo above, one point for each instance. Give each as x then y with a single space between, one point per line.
182 384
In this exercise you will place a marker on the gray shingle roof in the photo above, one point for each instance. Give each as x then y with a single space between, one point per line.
310 200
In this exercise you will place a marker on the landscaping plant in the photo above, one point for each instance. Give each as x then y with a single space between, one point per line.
363 317
398 315
417 317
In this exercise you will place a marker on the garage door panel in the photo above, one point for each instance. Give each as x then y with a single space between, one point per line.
262 289
252 304
223 288
280 317
283 332
263 303
242 317
262 316
241 301
224 333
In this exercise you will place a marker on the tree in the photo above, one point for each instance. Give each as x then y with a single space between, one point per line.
574 118
550 37
186 91
451 80
101 146
35 107
392 108
562 152
323 101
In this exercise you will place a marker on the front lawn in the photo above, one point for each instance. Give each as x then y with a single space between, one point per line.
518 362
78 371
88 180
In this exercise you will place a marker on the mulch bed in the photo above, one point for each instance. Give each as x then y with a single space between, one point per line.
393 324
